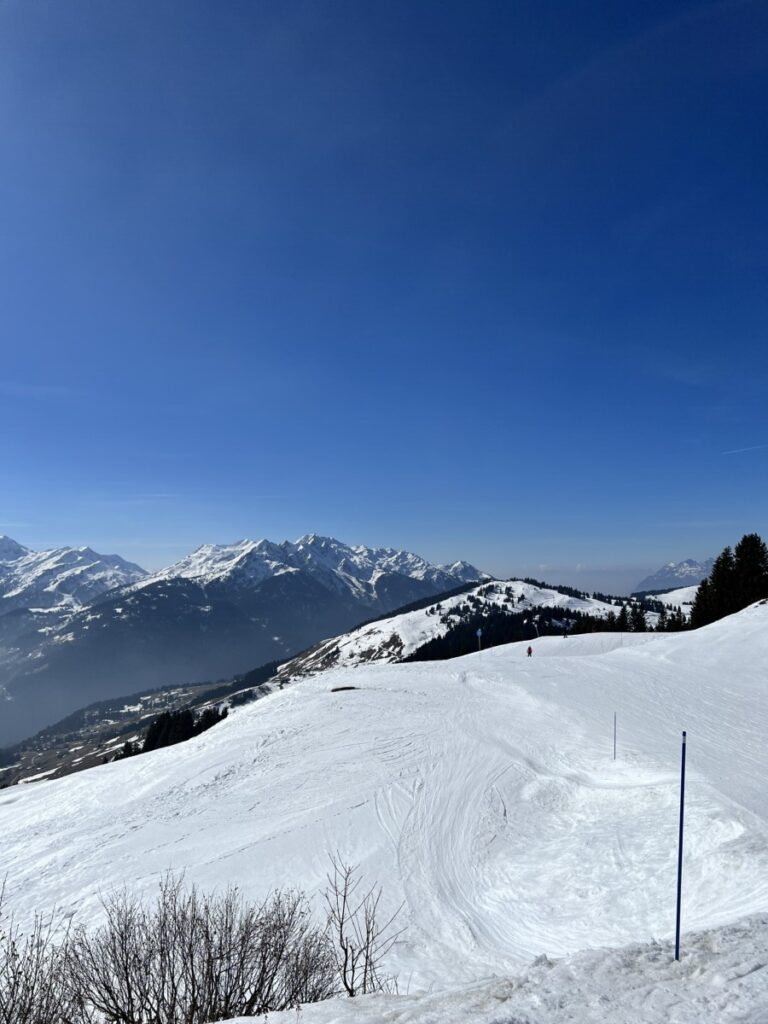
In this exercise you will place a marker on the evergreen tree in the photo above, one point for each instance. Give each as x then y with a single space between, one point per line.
722 586
738 579
622 620
750 570
677 621
662 622
702 608
637 619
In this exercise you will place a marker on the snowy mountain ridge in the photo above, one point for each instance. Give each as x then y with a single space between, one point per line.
395 638
251 562
61 577
687 573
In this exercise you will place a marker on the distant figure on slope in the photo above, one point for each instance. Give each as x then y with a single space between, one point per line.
530 651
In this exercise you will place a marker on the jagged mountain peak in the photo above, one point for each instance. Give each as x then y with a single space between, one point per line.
59 577
676 574
10 549
464 570
315 540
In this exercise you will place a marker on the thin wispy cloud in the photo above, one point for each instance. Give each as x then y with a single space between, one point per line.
752 448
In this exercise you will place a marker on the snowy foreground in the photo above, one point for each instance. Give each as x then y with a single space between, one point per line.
722 978
483 794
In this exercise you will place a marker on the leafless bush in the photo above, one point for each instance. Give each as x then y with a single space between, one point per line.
32 989
361 940
194 958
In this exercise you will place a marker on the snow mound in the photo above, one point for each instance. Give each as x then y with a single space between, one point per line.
723 977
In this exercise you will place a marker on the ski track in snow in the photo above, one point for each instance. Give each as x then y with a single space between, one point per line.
481 792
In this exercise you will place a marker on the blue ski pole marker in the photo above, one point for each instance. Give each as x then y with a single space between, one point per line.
479 638
680 852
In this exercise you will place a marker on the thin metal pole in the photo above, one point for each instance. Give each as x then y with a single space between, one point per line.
614 735
680 854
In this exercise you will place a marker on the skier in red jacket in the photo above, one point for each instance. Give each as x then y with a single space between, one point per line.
530 651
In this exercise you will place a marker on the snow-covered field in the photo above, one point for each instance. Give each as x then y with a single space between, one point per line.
482 792
683 598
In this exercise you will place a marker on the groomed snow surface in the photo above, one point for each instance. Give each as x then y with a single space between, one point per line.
482 793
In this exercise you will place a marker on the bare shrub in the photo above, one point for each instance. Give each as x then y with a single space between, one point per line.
194 958
361 940
32 989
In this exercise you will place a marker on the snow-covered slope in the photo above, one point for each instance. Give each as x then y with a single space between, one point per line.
683 598
63 577
395 638
676 574
480 791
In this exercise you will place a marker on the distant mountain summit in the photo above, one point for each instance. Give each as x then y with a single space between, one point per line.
219 611
676 574
10 550
71 577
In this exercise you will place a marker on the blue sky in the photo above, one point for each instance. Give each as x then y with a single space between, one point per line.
484 280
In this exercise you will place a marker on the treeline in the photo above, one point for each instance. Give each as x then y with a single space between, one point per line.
502 626
648 602
670 620
560 588
173 727
739 577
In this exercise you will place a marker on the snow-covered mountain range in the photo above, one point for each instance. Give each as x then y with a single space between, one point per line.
674 575
359 570
482 795
222 610
60 578
41 590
